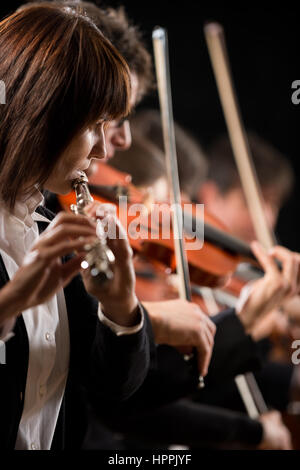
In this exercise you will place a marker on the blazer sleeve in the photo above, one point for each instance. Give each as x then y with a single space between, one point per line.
107 365
191 424
173 378
234 351
119 364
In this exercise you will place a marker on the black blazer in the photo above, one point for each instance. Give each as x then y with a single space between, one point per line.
173 378
111 367
151 413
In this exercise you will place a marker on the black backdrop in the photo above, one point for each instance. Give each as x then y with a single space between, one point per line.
263 47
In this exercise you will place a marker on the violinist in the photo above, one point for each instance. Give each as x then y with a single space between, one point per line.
193 167
151 171
57 338
163 324
222 196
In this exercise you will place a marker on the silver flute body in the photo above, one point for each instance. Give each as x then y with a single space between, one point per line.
99 257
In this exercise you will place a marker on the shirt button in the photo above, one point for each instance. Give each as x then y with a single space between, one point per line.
42 390
48 336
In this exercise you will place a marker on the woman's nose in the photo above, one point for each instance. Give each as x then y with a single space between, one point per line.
122 136
99 150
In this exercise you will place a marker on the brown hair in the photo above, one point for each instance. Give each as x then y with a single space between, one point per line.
61 76
124 35
273 169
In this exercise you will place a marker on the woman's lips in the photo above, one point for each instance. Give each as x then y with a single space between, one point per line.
76 174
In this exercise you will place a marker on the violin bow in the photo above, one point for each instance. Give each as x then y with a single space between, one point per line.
215 40
162 69
216 44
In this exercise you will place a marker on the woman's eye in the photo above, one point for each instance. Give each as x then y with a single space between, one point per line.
120 123
105 123
102 121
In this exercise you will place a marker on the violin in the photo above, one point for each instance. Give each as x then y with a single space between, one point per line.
212 265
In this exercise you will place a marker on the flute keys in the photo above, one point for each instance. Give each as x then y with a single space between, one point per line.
84 264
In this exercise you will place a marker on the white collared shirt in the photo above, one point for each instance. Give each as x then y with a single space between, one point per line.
47 330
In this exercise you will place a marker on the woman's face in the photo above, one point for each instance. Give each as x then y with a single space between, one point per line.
117 134
92 143
87 145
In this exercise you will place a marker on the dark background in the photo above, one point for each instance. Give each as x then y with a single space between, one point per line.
263 43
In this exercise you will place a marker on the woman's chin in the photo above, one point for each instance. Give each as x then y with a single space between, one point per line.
66 188
63 188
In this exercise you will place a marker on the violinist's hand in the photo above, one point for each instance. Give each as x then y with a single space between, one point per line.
273 322
181 323
274 288
276 436
291 309
117 296
42 273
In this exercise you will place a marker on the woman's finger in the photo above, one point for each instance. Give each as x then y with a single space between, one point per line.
117 239
64 232
68 218
71 268
60 275
42 256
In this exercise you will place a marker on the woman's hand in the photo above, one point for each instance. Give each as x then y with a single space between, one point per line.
42 273
274 288
117 296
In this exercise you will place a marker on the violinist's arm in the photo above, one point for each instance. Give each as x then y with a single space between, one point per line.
181 323
274 289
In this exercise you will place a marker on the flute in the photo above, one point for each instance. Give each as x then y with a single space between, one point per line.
99 257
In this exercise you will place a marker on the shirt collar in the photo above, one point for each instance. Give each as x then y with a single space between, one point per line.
27 206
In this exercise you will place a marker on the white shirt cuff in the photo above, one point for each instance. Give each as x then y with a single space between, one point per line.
118 329
6 330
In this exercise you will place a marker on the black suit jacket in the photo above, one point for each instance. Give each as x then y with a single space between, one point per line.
173 378
111 367
155 412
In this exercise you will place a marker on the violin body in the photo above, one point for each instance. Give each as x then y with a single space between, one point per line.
147 225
